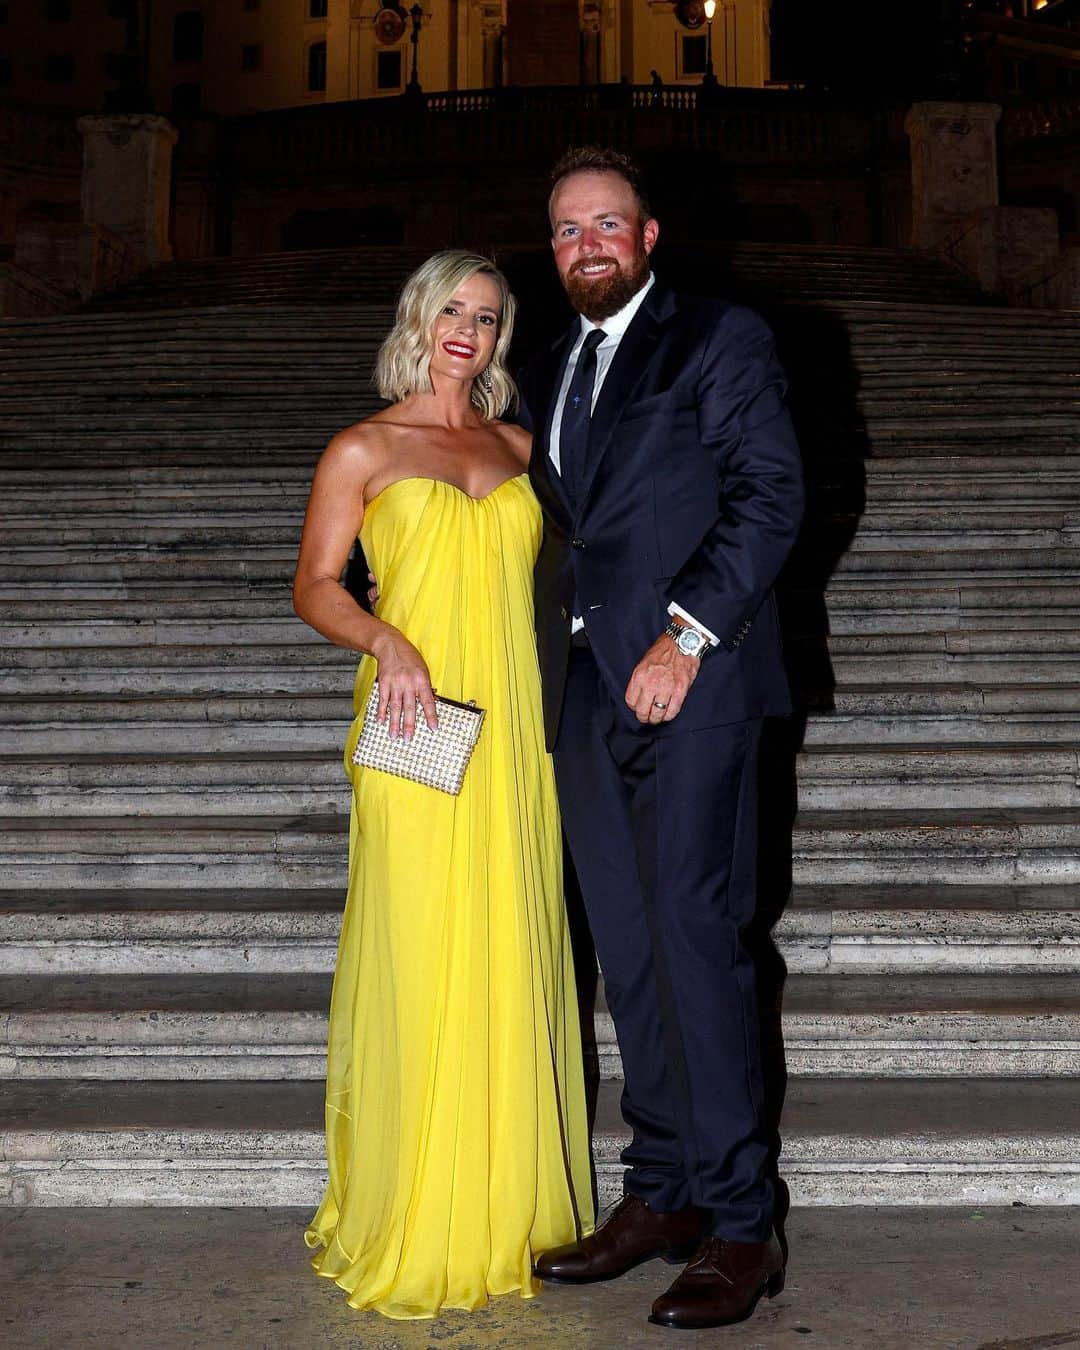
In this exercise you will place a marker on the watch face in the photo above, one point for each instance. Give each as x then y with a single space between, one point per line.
690 643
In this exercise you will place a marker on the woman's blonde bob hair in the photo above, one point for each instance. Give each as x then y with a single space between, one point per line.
404 360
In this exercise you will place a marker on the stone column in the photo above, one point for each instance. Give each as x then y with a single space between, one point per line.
953 166
126 181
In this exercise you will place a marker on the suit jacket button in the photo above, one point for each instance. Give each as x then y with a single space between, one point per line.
577 543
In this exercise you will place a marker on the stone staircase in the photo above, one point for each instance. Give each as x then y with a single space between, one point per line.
371 274
174 811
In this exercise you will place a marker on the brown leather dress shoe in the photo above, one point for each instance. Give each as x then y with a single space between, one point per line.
722 1284
632 1233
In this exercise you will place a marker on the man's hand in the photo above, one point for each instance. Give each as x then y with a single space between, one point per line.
661 681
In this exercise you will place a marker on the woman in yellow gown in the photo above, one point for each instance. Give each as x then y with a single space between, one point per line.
456 1129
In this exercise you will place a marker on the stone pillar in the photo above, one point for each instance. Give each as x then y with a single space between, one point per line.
953 166
126 181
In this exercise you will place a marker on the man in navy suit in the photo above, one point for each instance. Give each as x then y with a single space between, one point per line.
670 479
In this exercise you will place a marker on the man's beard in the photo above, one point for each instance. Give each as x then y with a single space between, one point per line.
598 298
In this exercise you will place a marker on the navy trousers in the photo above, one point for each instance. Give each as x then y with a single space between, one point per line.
663 834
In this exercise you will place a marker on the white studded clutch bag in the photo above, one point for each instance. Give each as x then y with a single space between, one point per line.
436 758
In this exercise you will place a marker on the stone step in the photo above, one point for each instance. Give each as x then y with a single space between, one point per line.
848 614
305 669
842 491
256 642
185 673
57 677
833 731
976 564
916 846
186 386
847 617
274 1027
1016 444
977 430
884 929
929 321
250 782
853 604
923 847
254 560
209 851
939 775
846 1141
821 271
108 609
135 473
189 474
959 532
42 725
287 780
146 567
954 667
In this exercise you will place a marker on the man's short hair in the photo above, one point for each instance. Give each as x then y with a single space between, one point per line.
600 159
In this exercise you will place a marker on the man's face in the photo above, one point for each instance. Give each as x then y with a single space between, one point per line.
601 244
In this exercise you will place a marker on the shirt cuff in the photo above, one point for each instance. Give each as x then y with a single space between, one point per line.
681 613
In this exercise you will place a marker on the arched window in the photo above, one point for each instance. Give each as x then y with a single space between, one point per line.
188 35
316 67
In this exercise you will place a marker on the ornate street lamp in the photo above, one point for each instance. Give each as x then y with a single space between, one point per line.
417 16
709 77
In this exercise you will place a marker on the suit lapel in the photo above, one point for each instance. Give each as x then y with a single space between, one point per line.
627 370
547 482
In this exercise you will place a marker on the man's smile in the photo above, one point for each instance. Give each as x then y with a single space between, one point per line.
595 268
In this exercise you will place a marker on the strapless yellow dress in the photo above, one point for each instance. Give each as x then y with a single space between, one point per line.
456 1128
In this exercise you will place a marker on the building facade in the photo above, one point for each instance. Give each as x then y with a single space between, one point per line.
242 56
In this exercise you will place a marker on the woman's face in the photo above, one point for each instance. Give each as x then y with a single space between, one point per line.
467 329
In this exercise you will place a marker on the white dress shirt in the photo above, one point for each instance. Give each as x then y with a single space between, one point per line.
614 328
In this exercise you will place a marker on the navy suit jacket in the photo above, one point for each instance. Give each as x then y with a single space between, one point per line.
693 494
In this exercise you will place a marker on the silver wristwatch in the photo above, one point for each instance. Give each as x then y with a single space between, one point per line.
688 640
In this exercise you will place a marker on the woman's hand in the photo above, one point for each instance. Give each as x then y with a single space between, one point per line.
403 682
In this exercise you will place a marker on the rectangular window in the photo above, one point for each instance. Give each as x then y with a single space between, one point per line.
388 70
316 67
188 35
316 9
58 11
694 55
251 56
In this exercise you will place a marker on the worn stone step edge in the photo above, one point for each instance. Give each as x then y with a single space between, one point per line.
289 942
897 1141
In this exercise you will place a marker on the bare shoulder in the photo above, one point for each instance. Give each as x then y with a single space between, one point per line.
357 451
517 440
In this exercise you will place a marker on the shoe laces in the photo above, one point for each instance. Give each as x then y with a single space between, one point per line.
709 1259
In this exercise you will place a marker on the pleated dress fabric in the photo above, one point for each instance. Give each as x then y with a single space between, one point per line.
456 1128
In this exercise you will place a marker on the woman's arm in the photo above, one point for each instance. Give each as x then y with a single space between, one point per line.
335 513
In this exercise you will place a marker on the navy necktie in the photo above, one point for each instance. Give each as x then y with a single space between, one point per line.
577 416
